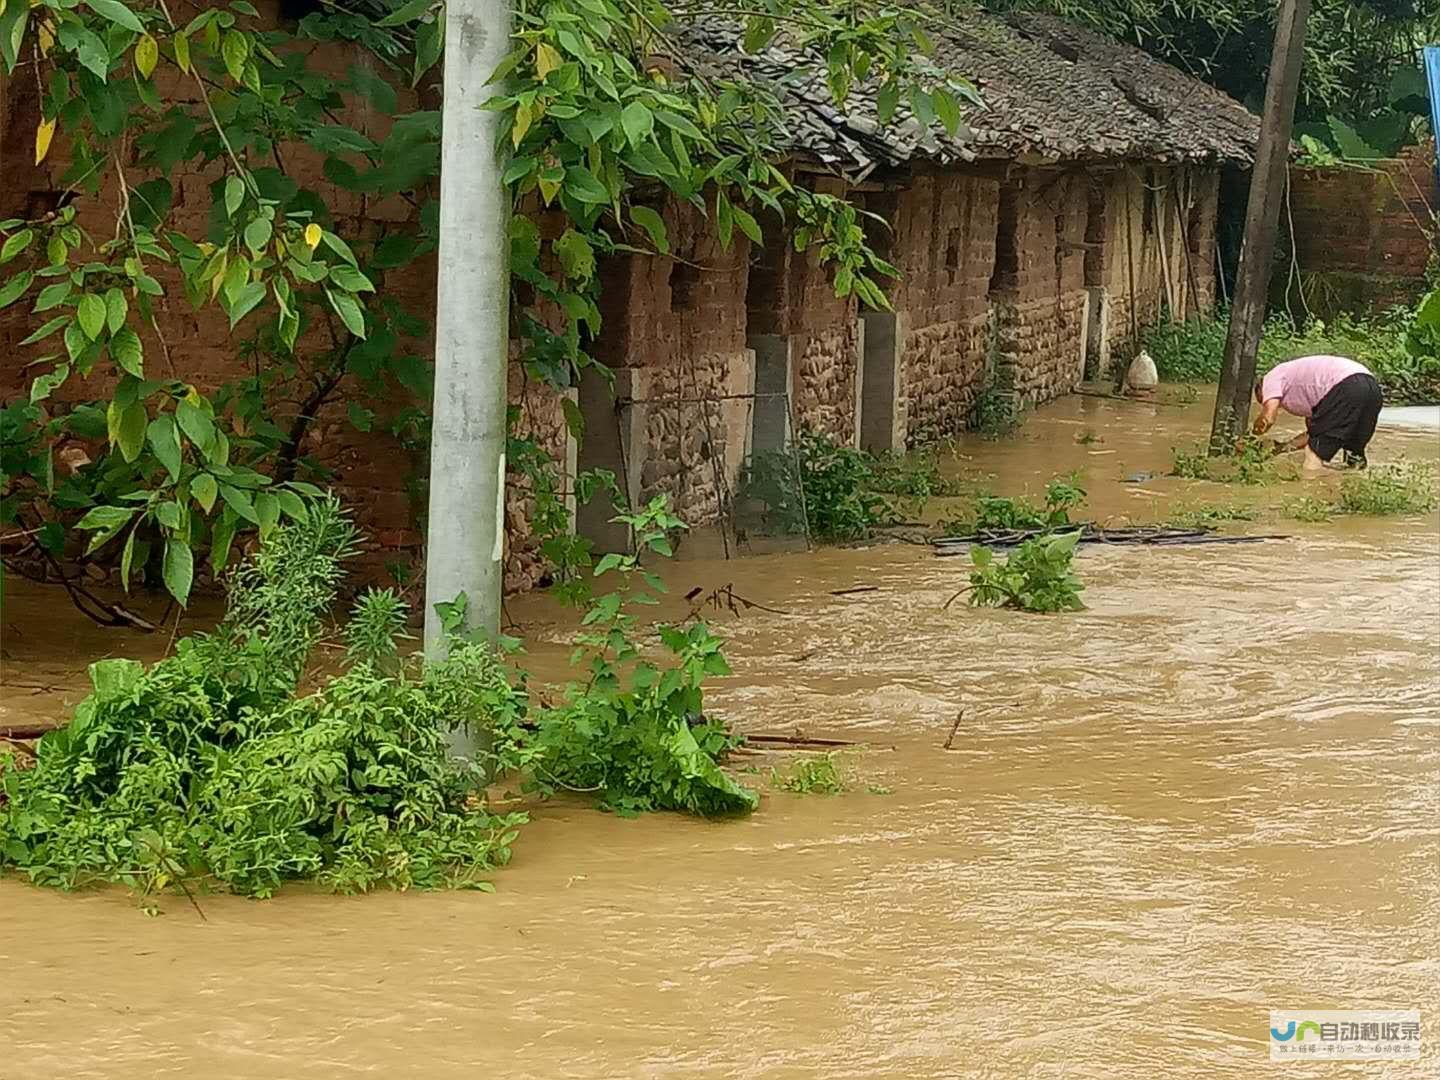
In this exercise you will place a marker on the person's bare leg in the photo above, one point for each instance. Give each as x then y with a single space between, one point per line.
1313 465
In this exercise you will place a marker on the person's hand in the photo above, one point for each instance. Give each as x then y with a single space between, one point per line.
1280 446
1261 425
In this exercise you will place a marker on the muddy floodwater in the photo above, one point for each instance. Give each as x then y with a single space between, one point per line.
1214 792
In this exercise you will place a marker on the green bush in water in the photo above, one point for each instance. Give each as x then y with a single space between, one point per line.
1036 576
207 767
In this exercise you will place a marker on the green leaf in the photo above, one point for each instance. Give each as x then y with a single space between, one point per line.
52 296
127 352
350 312
405 13
168 514
246 301
117 13
91 315
17 243
350 279
638 122
577 257
340 247
76 343
724 219
267 509
117 310
197 425
653 224
582 186
105 517
887 100
127 426
235 50
13 18
748 225
676 122
947 109
239 501
179 569
45 385
429 43
147 55
257 234
234 194
15 288
127 557
165 443
294 507
205 491
221 537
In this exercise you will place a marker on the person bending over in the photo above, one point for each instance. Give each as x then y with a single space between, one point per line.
1339 399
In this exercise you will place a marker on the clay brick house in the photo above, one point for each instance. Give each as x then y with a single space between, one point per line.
1070 211
1075 208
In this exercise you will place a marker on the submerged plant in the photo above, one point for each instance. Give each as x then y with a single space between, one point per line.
1205 516
1308 508
821 774
1404 487
993 513
1035 577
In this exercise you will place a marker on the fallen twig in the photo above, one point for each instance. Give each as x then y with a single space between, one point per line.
950 739
855 589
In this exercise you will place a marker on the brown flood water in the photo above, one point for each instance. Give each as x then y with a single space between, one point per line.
1213 793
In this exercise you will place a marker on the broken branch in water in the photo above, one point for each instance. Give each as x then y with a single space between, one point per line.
725 597
950 739
855 589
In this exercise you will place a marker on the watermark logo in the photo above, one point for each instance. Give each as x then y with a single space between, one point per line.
1344 1035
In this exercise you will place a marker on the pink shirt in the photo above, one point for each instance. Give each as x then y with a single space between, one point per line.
1301 383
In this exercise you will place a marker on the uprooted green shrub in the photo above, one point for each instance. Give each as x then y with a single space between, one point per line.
1036 576
635 733
206 766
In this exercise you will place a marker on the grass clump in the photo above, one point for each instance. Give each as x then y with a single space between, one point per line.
1404 487
1308 508
1247 464
993 513
1035 577
822 774
1208 516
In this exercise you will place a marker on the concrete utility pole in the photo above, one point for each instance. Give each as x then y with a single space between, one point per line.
1262 216
465 541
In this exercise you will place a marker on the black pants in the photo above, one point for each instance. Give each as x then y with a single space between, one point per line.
1345 417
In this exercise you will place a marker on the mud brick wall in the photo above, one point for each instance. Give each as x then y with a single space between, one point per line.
943 242
1039 283
379 475
1363 237
790 293
677 327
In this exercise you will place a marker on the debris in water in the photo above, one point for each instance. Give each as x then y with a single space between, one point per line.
1090 533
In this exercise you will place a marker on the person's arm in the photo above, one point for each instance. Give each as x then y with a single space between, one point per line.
1266 420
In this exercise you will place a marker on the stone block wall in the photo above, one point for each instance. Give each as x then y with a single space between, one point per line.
1363 237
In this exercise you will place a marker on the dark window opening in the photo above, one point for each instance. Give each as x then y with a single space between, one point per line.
683 280
1148 197
1007 253
1061 243
952 256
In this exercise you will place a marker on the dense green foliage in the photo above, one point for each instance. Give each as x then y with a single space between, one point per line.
206 766
1036 576
1401 347
211 767
818 774
598 134
636 732
1246 463
1355 50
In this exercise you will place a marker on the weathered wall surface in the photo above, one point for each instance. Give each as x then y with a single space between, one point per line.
943 243
676 327
1362 237
790 295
